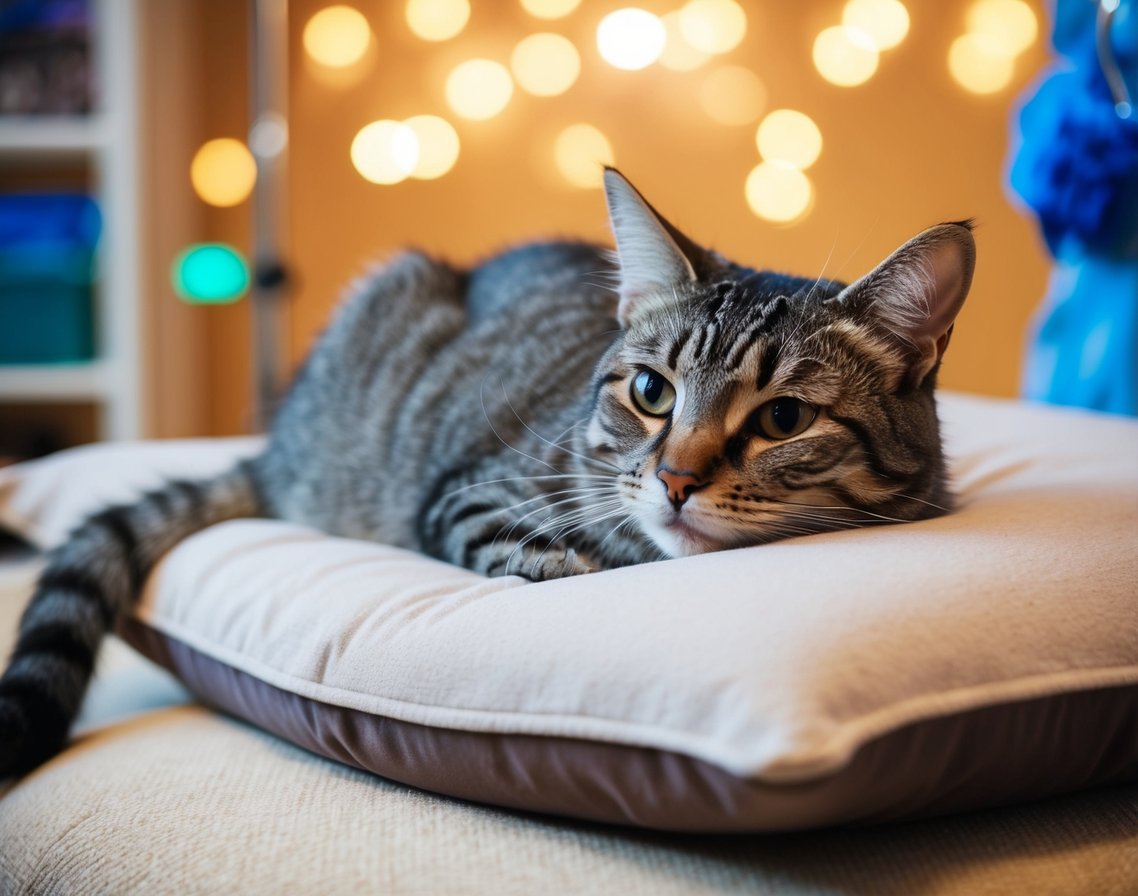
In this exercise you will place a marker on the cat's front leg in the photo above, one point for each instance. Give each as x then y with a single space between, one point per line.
496 527
539 566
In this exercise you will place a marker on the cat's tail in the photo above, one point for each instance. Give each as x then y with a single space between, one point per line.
88 584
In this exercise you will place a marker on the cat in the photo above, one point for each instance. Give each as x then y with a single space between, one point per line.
558 409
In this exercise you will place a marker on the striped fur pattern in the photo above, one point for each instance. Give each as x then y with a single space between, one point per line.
556 410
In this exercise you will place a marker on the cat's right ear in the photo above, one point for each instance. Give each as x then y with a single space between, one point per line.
918 291
657 262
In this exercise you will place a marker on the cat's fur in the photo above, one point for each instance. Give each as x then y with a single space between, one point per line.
525 417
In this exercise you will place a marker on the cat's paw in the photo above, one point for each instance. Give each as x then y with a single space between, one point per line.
555 565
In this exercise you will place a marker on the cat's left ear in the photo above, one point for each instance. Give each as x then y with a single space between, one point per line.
657 262
918 291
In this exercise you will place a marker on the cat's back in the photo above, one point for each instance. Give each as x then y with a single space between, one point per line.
424 363
540 275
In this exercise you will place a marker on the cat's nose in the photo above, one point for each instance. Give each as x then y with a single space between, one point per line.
679 485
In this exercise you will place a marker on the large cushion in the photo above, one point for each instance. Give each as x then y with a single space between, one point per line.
983 657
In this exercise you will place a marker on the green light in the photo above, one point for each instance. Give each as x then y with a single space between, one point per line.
210 274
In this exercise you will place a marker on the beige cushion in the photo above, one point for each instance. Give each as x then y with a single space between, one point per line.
859 675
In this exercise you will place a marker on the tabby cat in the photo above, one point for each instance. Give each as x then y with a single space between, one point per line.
524 417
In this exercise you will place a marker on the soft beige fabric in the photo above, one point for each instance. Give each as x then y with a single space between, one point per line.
776 662
42 499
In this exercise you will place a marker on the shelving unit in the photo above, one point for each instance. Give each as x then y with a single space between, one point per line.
107 142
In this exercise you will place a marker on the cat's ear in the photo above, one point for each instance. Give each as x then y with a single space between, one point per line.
918 291
656 260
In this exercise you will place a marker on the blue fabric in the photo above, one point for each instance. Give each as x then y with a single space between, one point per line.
1084 350
1077 168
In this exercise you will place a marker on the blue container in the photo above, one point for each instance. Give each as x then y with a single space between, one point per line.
47 254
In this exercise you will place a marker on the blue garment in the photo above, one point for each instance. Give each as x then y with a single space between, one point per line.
1084 348
1077 168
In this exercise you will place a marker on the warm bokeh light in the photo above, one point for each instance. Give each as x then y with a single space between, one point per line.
885 21
630 38
779 192
1010 23
223 172
479 89
980 63
437 19
787 135
545 64
733 95
210 274
385 152
845 56
438 146
581 152
550 9
713 26
679 55
337 36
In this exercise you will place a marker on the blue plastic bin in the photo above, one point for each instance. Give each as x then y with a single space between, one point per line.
47 255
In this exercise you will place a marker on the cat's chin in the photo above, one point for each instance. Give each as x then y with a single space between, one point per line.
678 537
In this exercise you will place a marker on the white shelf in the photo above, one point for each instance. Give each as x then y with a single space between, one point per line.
22 383
32 137
107 140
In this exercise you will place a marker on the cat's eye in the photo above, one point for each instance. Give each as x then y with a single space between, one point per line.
653 394
782 418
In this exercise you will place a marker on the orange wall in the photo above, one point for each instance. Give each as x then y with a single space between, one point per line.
906 150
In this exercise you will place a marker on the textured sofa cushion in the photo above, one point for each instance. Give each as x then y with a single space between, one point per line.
983 657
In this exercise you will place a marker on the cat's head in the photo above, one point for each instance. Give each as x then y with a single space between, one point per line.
743 406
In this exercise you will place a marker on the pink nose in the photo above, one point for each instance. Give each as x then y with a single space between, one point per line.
679 486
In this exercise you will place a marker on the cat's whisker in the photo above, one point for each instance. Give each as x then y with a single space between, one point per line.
566 532
580 495
498 435
597 476
923 501
564 520
822 272
624 522
565 432
604 464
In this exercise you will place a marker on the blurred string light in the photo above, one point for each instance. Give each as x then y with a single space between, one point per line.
581 151
713 26
1011 22
438 146
733 95
437 20
845 56
223 172
545 64
550 9
630 38
790 136
983 60
886 22
210 274
479 89
385 152
678 54
979 63
336 36
778 192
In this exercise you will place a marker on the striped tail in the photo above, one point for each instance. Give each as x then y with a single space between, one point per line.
89 582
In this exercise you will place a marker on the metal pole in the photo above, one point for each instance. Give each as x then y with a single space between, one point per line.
268 141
